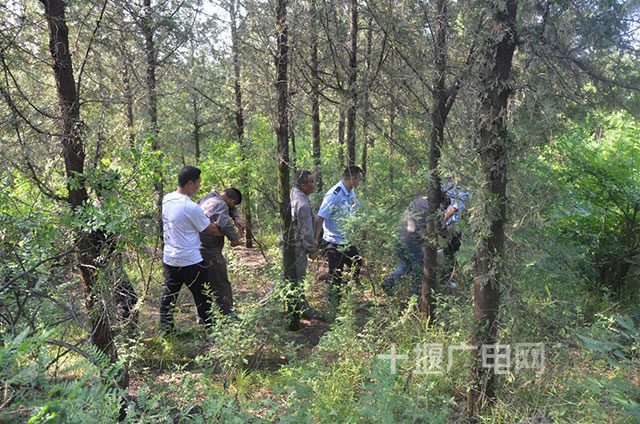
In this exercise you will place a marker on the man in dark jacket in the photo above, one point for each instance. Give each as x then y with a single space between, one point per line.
409 248
221 209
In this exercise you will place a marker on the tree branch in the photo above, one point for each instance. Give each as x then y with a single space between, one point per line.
86 54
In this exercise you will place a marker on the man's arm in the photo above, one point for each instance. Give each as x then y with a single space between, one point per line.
318 225
323 212
228 229
449 213
306 232
235 216
240 223
213 230
220 214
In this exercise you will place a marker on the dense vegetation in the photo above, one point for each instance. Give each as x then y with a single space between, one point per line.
531 105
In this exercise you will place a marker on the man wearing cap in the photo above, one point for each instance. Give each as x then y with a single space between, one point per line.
340 203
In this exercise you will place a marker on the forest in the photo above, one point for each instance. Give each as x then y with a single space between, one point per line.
512 126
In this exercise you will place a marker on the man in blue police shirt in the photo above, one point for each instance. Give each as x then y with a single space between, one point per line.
455 197
338 204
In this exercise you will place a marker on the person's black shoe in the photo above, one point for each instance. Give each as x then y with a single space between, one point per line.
311 313
294 325
387 286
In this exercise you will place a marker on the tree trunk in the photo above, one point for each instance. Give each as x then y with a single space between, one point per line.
315 96
491 146
128 99
291 81
239 114
88 245
353 93
293 166
365 101
392 132
294 153
288 252
196 128
364 159
341 118
152 108
442 100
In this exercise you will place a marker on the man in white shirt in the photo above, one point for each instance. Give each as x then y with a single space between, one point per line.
183 220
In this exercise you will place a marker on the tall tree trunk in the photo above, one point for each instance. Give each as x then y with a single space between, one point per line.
315 96
148 29
126 80
89 244
341 119
239 114
196 128
291 81
294 153
128 100
364 158
365 101
288 252
392 125
353 91
491 146
442 100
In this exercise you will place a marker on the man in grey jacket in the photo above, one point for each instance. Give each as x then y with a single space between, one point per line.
221 209
302 219
303 224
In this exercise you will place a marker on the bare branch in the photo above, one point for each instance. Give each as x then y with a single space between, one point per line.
86 54
14 279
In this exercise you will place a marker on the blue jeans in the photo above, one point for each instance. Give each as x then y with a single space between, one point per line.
411 256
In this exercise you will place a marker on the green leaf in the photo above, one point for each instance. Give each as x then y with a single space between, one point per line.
597 345
625 322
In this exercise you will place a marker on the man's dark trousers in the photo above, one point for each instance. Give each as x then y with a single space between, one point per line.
339 257
218 279
193 276
454 238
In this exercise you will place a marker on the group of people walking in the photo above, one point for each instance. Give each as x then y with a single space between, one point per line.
194 234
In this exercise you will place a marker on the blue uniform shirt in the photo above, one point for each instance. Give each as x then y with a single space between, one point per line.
337 205
457 197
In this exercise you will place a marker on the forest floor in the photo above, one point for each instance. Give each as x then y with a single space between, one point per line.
250 283
330 365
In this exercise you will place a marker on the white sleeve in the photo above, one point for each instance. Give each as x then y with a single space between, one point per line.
198 218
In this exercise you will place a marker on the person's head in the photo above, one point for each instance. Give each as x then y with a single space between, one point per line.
351 176
306 182
189 180
232 196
